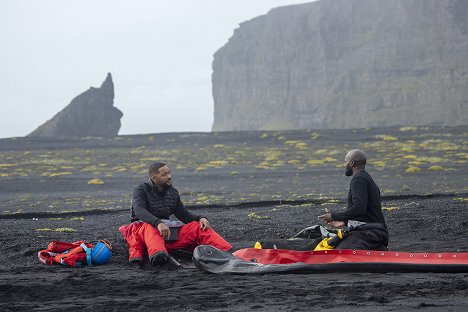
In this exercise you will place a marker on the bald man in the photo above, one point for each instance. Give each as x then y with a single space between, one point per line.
366 224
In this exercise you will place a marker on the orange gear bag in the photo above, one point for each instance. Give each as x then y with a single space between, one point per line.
71 254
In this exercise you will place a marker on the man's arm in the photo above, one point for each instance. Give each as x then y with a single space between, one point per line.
359 193
183 214
139 204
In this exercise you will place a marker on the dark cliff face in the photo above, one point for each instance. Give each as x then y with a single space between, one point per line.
91 113
345 64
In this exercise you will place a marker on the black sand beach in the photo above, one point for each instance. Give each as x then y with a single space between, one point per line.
251 186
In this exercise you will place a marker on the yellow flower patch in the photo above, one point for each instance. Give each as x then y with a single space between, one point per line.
95 181
59 174
63 230
253 215
385 137
412 169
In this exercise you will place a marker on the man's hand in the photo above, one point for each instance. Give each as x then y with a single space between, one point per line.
326 217
164 230
204 224
337 224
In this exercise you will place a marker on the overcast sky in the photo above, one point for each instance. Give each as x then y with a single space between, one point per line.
158 51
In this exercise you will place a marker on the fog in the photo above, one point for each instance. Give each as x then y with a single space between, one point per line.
159 54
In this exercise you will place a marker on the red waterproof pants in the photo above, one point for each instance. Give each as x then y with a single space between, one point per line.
142 237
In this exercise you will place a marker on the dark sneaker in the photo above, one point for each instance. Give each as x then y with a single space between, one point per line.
159 258
135 260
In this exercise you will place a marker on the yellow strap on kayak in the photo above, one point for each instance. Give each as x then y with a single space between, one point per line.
340 233
323 245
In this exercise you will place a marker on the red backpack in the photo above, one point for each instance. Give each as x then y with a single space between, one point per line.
71 254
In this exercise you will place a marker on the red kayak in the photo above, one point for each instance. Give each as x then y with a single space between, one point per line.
251 260
278 256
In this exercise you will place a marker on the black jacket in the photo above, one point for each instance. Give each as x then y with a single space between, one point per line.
364 203
150 205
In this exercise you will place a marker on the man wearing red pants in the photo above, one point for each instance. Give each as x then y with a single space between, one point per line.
152 231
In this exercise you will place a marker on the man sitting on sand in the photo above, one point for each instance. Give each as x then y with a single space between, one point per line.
151 230
364 217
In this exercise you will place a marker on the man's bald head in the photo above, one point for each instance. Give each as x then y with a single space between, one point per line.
357 155
355 160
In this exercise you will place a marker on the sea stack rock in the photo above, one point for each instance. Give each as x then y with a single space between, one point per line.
345 64
91 113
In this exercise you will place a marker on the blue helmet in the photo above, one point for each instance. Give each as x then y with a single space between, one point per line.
102 252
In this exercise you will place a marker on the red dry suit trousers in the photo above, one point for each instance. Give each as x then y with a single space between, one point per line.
143 237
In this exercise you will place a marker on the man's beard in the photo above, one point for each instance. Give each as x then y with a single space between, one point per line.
348 172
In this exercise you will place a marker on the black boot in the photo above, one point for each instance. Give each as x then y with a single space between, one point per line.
159 258
135 260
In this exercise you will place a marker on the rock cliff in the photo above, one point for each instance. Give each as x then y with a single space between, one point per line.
91 113
345 64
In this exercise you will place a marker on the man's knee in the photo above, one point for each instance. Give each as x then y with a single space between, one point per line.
193 225
126 230
363 240
191 229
